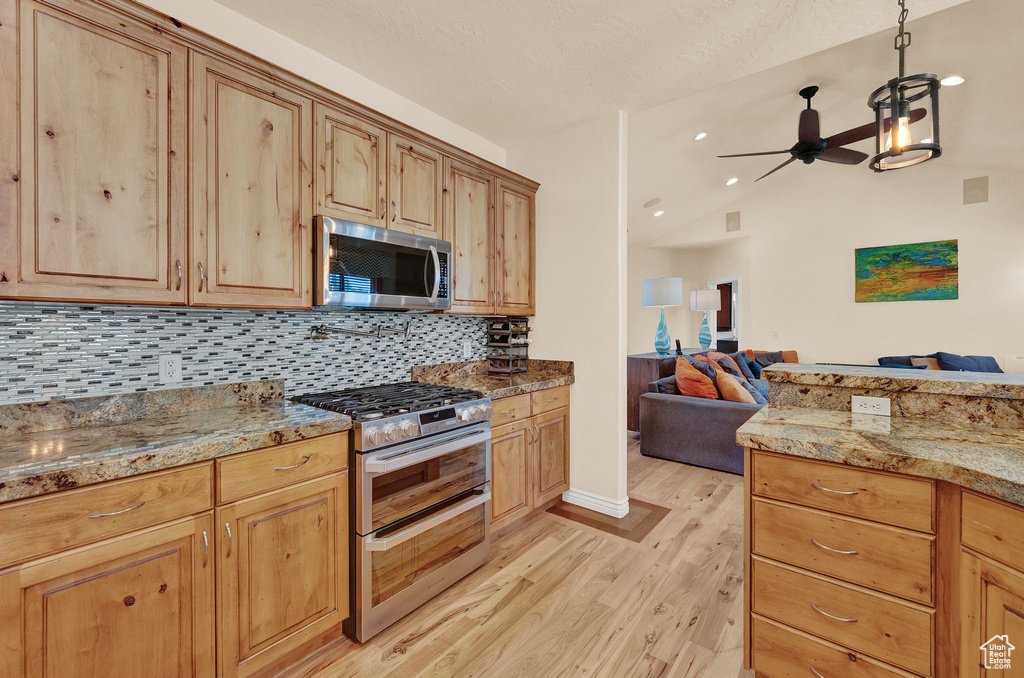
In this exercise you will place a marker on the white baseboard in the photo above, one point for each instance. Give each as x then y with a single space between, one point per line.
595 502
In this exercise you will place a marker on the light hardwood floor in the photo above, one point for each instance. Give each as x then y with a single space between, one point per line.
559 598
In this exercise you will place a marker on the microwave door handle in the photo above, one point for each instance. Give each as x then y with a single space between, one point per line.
437 274
375 544
423 453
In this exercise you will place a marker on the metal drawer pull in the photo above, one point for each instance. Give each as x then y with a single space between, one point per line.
507 411
206 546
285 468
825 489
117 513
375 544
815 672
227 526
818 610
822 546
551 400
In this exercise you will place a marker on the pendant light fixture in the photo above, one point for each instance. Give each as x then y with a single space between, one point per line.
899 140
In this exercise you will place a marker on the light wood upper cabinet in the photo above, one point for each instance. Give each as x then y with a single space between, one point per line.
469 227
140 605
516 261
414 187
251 185
101 134
283 575
351 169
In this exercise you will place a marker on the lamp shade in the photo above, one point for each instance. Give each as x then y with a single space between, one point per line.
663 292
705 300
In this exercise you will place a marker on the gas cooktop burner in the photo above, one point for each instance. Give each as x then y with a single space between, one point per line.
376 402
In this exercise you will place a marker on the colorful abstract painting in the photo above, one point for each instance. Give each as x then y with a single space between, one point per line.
915 272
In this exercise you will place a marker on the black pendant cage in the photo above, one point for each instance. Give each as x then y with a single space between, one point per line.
898 99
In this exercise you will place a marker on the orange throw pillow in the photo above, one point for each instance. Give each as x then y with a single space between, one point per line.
929 363
731 389
691 382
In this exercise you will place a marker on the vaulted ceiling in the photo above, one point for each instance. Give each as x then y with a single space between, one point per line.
511 69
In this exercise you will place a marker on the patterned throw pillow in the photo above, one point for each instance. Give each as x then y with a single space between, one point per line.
693 381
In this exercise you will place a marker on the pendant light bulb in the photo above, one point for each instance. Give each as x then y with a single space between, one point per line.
903 138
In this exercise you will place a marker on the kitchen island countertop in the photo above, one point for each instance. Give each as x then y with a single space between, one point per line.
542 374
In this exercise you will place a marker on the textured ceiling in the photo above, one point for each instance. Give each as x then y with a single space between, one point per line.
980 118
511 69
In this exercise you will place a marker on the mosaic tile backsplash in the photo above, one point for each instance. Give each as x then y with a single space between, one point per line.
56 351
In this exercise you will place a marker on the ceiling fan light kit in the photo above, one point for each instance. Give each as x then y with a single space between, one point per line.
895 128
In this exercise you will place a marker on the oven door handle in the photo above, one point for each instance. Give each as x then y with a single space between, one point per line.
374 544
425 452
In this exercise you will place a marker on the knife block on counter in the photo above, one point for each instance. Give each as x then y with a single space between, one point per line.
509 338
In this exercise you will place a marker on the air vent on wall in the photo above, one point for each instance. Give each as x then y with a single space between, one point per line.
975 190
732 222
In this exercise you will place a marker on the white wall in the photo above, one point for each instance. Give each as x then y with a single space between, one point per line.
642 323
236 29
581 261
800 262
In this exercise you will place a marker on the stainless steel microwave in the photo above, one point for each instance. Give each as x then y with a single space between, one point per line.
360 266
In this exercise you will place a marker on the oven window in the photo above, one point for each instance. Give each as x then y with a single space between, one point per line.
370 267
405 564
402 493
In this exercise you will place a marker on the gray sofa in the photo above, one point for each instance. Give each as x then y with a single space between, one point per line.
691 430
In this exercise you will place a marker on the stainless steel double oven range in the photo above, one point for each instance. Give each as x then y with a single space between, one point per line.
420 469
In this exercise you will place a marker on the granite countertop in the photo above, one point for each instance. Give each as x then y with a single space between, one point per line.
961 446
48 447
541 374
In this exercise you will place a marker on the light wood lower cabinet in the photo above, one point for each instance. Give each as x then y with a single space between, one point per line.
140 605
529 458
992 617
282 572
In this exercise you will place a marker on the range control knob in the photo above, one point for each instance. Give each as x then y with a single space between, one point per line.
410 428
465 414
374 436
392 433
476 412
487 411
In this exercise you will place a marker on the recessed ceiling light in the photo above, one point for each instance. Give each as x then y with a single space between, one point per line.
951 81
700 136
731 181
659 213
652 202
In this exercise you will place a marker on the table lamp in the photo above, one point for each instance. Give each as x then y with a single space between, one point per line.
663 292
707 301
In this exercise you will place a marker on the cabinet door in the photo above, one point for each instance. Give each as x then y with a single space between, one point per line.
252 189
551 455
139 605
283 575
414 187
351 172
469 227
515 259
992 616
101 186
510 472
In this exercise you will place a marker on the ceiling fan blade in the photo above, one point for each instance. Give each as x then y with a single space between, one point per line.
867 131
810 126
843 156
744 155
776 169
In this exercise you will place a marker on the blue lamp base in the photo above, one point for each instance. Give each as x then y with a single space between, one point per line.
661 340
705 334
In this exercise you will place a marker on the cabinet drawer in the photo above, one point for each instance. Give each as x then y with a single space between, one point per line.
252 473
993 527
879 557
894 500
550 399
887 629
781 652
37 527
508 410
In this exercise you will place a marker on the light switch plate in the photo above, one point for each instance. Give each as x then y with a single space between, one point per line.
467 349
866 405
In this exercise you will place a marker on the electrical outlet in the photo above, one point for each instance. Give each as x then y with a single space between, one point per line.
170 369
866 405
775 334
467 350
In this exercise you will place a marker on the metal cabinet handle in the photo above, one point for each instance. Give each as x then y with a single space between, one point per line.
383 208
822 546
117 513
494 298
825 489
394 211
501 298
551 400
506 412
285 468
227 526
202 277
818 610
815 672
177 262
206 549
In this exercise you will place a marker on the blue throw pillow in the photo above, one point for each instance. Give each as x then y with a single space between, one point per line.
754 368
754 391
741 362
986 363
900 366
762 387
905 360
966 363
704 368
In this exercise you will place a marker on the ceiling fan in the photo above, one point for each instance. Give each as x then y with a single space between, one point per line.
811 146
